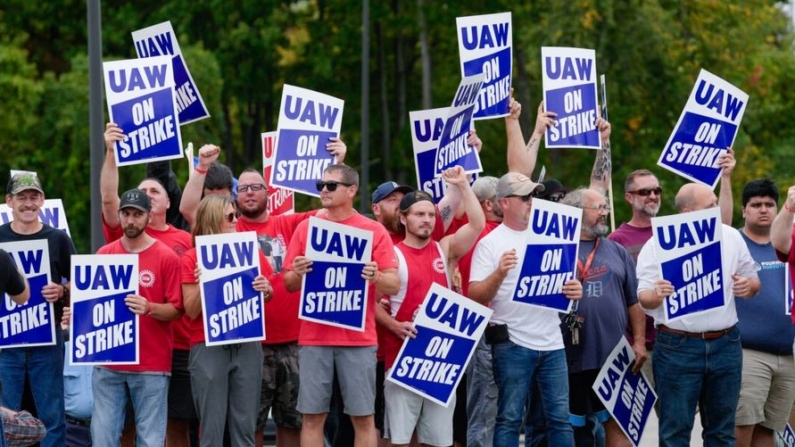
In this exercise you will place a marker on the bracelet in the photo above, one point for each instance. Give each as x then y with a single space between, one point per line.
377 278
200 170
787 207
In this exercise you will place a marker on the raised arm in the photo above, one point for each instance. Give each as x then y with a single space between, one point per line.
725 201
192 194
781 231
602 165
459 243
522 157
109 177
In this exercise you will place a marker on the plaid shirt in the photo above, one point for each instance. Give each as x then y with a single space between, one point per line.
21 429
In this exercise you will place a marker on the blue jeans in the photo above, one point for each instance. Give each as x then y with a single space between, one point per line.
515 370
690 372
43 365
481 397
148 393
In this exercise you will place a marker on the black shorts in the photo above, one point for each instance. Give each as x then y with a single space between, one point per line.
180 397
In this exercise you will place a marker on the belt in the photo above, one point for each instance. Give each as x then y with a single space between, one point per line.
80 422
709 335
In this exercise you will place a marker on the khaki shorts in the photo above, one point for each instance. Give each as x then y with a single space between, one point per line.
768 390
406 411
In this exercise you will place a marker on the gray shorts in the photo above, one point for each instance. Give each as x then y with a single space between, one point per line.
355 369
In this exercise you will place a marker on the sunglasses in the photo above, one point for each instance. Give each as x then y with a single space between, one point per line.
230 217
556 197
330 185
525 198
645 192
255 187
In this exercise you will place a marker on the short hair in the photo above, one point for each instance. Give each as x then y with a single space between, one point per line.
634 174
760 188
209 215
349 175
153 179
219 176
251 170
575 198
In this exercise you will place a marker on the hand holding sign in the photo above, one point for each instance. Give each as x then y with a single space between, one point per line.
474 141
726 162
573 289
639 348
262 285
113 134
403 329
742 287
604 129
337 148
544 121
52 292
662 289
370 271
137 304
302 265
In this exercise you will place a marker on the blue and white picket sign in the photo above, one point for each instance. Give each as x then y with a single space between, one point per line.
160 40
426 129
788 292
232 311
688 249
32 323
334 292
485 45
628 397
104 330
141 100
280 200
52 213
787 436
707 126
307 119
453 148
550 258
448 329
569 80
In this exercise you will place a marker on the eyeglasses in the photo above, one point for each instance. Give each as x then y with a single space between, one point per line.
556 197
230 217
525 198
254 187
645 192
330 185
600 208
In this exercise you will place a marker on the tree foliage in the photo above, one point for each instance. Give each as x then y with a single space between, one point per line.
241 52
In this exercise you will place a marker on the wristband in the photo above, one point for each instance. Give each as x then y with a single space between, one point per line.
787 207
200 170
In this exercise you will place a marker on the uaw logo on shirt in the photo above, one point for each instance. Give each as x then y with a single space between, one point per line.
146 278
438 265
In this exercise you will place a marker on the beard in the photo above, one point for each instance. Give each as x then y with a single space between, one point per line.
650 210
132 232
595 230
252 213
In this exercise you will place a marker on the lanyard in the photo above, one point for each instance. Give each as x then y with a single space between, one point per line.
583 270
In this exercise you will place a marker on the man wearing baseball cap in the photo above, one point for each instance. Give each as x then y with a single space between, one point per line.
527 346
158 302
42 366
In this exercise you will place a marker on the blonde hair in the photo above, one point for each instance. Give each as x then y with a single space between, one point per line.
210 215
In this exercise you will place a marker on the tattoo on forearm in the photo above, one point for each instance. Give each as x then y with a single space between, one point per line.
603 166
446 212
532 144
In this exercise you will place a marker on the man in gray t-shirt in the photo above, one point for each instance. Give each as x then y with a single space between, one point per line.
609 301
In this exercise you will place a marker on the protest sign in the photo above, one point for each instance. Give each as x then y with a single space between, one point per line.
231 309
334 292
307 120
52 214
788 293
550 259
485 45
569 80
453 148
160 40
448 329
689 253
787 436
280 200
32 323
141 100
707 126
628 397
104 330
426 129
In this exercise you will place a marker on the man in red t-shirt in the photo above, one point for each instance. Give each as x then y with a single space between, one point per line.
158 303
325 349
423 262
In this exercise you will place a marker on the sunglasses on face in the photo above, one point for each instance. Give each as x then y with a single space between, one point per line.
330 185
254 187
556 197
645 192
525 198
230 217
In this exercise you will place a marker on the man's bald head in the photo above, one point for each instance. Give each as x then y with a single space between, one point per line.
695 197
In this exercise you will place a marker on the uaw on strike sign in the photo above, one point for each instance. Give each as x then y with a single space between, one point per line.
232 310
32 323
448 329
104 330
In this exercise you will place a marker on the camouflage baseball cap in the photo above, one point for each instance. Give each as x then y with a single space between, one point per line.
24 181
